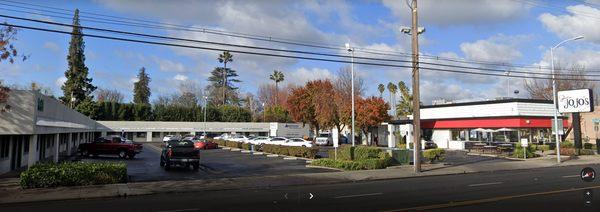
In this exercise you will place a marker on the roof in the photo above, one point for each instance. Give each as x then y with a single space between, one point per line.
541 101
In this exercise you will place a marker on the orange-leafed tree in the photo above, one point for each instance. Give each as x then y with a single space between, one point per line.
313 103
370 112
299 104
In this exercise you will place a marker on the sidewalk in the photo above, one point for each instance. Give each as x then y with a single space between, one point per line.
14 194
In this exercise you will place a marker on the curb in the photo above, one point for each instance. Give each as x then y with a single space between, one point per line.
290 158
235 150
226 148
272 156
323 167
246 151
258 153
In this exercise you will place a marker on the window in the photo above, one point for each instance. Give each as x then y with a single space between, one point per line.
156 134
4 145
140 134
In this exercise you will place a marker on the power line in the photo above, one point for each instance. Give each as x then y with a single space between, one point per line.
160 25
279 55
280 50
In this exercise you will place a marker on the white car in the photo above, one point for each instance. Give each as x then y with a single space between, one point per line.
168 138
223 136
259 140
277 140
323 139
237 138
298 142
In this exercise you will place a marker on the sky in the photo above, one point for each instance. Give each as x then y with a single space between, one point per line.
517 32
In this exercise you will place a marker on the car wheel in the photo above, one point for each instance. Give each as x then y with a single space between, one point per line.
303 145
162 163
167 166
122 154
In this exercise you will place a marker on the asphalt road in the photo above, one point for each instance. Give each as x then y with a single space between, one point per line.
547 189
215 163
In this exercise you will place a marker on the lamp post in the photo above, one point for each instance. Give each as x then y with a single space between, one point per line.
205 100
554 95
351 51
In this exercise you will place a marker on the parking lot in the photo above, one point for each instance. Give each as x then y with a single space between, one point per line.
216 163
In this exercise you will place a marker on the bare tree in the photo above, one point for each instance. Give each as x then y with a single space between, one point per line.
109 95
343 83
574 79
271 96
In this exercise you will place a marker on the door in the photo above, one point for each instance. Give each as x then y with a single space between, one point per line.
15 159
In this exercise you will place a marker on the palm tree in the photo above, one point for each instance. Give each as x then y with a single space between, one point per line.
225 58
277 76
381 89
392 88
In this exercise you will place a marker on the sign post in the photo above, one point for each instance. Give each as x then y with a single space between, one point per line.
335 138
575 102
524 144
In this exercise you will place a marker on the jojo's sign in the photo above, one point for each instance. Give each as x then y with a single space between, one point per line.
574 101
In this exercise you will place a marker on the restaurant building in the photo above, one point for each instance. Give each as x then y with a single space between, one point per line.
454 125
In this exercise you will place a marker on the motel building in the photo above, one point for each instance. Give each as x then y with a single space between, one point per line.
459 125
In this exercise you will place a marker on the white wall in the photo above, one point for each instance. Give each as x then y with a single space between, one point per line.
441 138
488 110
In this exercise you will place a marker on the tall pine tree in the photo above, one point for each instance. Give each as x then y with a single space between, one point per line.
78 86
141 89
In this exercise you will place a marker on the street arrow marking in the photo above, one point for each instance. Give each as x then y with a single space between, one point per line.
285 196
311 196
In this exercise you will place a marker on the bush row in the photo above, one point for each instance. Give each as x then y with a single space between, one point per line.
434 154
73 174
348 152
572 151
518 152
364 164
296 151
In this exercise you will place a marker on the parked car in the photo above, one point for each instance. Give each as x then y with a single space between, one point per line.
237 138
259 140
167 138
223 136
298 142
110 145
180 153
323 139
277 140
201 143
430 145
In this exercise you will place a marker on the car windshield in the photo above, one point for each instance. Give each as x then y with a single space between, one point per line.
183 143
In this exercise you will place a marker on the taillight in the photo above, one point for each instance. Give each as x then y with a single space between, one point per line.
170 152
197 145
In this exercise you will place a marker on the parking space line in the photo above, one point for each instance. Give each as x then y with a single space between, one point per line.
484 184
569 176
358 195
182 210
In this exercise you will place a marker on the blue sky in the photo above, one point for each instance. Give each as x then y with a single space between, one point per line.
509 31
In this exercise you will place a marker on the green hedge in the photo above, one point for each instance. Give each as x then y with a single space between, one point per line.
567 144
588 146
296 151
518 152
434 154
44 175
586 152
364 164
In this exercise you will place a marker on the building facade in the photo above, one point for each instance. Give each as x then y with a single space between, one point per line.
40 128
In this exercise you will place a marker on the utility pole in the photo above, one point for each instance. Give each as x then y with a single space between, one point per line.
416 94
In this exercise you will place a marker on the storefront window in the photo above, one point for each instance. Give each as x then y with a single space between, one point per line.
456 134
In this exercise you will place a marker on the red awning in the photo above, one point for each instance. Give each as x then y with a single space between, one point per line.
495 122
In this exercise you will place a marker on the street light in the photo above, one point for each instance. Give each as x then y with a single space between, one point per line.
554 94
351 51
205 100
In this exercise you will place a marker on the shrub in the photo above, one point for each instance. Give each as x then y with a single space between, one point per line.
220 142
354 165
73 174
296 151
588 146
567 144
233 144
434 154
543 148
518 152
567 151
402 146
365 152
586 152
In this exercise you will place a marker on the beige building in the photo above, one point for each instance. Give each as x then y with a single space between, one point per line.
590 126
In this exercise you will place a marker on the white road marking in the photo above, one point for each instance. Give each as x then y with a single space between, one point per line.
358 195
484 184
569 176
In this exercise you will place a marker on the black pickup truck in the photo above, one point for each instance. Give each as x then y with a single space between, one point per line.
180 152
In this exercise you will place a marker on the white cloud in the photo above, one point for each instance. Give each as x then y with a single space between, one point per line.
460 12
51 46
168 65
134 80
566 57
303 75
60 81
582 20
180 77
498 48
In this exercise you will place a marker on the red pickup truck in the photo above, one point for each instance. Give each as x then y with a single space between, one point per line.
115 145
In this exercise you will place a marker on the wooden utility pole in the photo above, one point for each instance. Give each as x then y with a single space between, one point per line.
415 85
